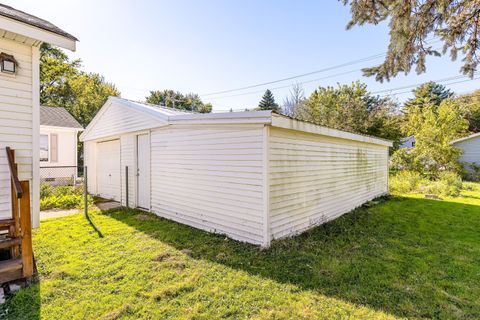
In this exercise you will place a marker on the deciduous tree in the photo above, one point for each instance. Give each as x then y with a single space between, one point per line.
63 84
175 99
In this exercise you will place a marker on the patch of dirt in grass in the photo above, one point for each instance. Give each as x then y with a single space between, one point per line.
143 217
162 256
118 313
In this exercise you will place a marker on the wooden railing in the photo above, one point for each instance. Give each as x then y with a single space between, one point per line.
20 229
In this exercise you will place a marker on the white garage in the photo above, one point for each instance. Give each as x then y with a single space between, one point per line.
253 176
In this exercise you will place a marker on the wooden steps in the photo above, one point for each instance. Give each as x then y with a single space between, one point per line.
11 270
11 265
10 242
16 232
6 223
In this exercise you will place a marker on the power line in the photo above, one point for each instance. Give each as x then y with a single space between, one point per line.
409 86
418 84
448 84
296 76
376 56
287 86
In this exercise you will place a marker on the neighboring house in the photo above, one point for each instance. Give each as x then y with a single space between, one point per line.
58 145
471 150
21 35
408 142
254 176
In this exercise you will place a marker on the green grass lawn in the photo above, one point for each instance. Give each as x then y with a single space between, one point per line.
404 257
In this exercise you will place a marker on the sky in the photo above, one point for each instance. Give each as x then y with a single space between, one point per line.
212 46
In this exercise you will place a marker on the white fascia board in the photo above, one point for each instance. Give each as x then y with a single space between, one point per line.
57 128
288 123
264 117
37 33
466 138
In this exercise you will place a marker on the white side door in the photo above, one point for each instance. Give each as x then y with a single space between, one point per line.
108 169
143 171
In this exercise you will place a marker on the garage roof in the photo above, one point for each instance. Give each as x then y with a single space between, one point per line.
27 18
26 28
169 116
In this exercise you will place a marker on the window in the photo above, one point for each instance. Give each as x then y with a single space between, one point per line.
44 147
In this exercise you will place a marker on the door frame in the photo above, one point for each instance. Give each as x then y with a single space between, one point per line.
137 188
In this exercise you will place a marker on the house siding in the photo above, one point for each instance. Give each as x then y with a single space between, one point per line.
210 177
314 179
471 150
16 121
118 120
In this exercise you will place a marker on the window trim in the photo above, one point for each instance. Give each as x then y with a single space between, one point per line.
48 146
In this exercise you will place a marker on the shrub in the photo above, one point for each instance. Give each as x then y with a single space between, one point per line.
471 172
447 184
62 197
46 190
470 186
64 202
405 181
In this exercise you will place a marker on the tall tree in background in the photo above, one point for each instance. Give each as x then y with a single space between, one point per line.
426 94
352 108
294 100
63 84
455 22
470 107
175 99
268 102
434 127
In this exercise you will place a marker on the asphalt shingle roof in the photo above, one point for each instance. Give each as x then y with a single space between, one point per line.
57 117
27 18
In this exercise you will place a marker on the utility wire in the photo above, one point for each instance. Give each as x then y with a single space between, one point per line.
376 56
296 76
286 86
391 91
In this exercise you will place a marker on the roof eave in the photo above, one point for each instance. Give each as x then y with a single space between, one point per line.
285 122
37 33
252 117
466 138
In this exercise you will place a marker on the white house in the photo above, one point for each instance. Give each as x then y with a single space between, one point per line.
254 176
58 145
471 149
21 35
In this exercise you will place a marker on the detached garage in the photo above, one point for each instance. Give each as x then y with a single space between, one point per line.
253 176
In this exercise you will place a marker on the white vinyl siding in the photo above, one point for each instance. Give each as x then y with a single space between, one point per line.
128 158
16 119
210 177
471 150
118 119
314 179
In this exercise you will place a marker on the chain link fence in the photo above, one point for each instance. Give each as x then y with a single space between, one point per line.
61 175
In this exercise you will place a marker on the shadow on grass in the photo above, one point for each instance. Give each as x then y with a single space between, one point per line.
25 304
407 257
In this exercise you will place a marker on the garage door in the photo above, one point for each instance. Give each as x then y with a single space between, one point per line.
108 169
